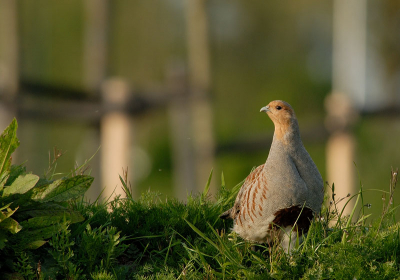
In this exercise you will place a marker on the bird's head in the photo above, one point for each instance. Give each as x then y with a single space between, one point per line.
282 115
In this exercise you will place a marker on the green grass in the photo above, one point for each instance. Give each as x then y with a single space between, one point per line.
150 238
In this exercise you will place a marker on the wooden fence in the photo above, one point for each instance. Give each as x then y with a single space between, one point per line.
111 104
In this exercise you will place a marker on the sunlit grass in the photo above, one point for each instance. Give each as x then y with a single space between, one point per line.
153 237
168 239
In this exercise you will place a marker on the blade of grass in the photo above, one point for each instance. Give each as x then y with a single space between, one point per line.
344 207
350 218
225 251
206 189
168 249
361 191
202 234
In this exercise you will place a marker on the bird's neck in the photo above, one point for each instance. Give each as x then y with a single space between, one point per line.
287 133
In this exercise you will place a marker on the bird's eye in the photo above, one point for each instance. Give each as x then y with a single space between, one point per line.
278 107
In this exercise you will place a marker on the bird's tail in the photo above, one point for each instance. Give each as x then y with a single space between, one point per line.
226 214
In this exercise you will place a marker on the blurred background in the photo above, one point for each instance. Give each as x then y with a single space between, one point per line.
171 89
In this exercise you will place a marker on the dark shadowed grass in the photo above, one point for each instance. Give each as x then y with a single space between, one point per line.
168 239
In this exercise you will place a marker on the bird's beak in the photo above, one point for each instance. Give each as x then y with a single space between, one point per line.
265 109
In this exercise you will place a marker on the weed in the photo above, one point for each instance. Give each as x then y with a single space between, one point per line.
23 267
62 252
100 247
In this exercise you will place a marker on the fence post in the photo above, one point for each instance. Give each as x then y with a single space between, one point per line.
349 87
9 51
200 83
340 146
180 132
115 130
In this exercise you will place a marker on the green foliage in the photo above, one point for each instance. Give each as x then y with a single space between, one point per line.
103 275
62 252
100 247
149 238
24 268
32 209
8 143
170 239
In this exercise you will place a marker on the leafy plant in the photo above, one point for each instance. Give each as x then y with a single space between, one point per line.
62 252
103 275
23 267
100 247
8 144
32 209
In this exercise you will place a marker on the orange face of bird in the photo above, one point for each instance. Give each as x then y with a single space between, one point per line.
281 113
278 110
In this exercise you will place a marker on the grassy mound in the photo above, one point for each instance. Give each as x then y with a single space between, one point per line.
153 239
48 232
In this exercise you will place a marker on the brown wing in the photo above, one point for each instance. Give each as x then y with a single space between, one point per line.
252 176
231 213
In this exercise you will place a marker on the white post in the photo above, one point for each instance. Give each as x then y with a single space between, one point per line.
115 136
96 24
340 148
349 93
350 49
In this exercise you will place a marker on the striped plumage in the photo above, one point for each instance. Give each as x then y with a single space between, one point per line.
272 197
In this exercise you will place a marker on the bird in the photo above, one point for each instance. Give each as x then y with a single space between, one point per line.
279 198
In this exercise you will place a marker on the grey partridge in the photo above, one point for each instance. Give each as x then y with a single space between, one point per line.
284 192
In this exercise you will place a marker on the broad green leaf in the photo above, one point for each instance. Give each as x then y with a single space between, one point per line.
2 217
35 244
5 206
46 209
53 209
3 179
68 189
21 185
11 225
15 172
71 216
5 214
40 192
8 143
25 237
54 218
40 222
